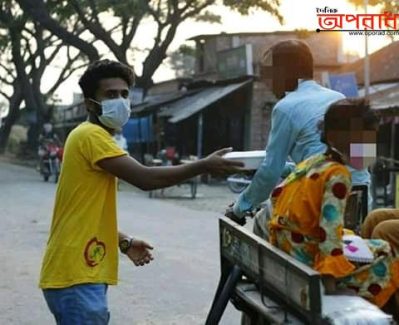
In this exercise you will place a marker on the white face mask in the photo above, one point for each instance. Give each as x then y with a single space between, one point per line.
115 112
362 155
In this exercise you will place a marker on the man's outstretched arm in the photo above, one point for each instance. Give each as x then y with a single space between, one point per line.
150 178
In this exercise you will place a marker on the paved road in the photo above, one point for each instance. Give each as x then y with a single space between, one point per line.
177 288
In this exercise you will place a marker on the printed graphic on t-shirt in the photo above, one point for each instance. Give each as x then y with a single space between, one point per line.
94 252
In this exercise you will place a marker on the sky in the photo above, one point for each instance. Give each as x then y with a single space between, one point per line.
297 14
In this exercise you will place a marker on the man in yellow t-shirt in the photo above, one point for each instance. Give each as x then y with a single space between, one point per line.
81 257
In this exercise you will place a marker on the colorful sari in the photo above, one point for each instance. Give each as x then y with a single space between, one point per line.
307 223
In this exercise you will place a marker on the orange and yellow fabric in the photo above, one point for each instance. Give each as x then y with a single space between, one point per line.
307 223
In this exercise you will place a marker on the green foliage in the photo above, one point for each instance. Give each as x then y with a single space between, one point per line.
61 9
186 50
4 41
209 17
183 61
115 24
391 6
387 5
64 10
245 6
125 8
303 33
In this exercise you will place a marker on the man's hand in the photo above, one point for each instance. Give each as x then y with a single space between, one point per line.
139 253
230 214
216 165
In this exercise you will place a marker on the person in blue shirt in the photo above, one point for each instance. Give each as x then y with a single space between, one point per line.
294 133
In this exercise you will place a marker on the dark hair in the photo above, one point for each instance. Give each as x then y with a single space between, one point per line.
104 69
349 114
294 55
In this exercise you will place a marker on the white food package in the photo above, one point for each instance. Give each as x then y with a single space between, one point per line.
251 159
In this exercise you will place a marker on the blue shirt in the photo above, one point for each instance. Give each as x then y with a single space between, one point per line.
294 133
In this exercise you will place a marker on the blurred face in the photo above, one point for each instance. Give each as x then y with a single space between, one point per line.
359 147
276 78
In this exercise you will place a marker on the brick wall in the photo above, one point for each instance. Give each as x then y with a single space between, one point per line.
326 47
260 116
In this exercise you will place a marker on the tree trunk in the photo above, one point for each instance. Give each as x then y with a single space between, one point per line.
155 58
41 107
13 115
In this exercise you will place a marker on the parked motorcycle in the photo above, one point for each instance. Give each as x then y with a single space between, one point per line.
51 158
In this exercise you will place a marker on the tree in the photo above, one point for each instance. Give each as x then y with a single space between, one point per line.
27 50
387 5
183 61
127 16
33 32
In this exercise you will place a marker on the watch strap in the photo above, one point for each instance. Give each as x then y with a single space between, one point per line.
125 244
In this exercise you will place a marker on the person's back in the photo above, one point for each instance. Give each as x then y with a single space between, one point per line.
294 134
304 108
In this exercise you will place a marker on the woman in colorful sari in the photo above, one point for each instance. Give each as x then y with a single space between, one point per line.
308 208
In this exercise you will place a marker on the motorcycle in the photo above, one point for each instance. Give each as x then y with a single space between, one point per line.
51 158
238 182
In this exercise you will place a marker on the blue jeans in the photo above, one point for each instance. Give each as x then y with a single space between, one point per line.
83 304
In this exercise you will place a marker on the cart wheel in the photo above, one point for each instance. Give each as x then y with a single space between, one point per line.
193 189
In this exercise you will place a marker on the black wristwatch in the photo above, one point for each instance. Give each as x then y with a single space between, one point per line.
125 244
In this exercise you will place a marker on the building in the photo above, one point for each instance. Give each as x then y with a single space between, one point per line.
198 117
225 104
383 66
213 50
383 93
384 99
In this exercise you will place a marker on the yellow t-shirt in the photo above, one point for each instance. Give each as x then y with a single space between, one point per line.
83 242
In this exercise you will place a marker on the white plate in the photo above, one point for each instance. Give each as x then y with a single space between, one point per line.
251 159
